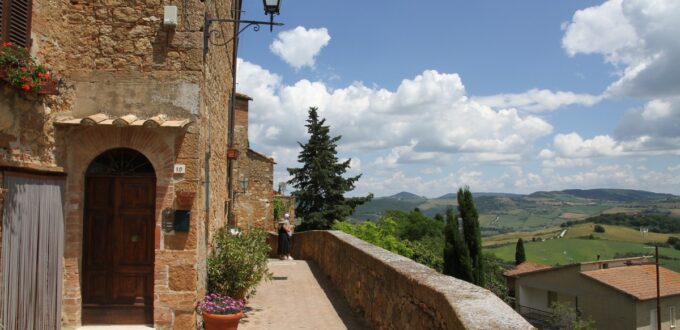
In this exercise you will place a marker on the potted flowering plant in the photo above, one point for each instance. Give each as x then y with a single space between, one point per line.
236 264
20 70
221 312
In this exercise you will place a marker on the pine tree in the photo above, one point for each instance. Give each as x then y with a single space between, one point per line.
319 183
471 233
520 256
457 261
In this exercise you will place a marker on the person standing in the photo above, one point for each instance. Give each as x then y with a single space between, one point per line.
283 250
289 227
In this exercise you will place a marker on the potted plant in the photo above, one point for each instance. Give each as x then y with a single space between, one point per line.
21 71
12 56
236 264
221 312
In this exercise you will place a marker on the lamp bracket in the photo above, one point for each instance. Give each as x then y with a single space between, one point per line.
207 32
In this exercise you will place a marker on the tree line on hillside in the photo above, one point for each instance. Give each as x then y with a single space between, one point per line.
443 243
655 222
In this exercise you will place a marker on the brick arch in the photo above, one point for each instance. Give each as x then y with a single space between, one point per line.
84 145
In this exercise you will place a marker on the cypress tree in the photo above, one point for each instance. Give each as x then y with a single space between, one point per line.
319 182
520 256
457 261
471 232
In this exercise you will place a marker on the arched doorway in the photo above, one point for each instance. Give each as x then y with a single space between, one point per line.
118 239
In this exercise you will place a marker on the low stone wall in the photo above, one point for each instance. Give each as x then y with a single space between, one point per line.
394 292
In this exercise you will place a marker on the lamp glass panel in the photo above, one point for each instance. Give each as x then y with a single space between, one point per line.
271 6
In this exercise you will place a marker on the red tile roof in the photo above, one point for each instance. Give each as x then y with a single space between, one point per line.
638 281
525 268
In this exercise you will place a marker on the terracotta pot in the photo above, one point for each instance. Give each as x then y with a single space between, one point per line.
48 87
221 322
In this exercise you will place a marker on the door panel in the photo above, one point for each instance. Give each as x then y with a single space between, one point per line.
118 250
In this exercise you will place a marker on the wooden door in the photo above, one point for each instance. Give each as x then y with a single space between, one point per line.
118 250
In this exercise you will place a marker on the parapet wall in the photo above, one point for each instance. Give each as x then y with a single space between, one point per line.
394 292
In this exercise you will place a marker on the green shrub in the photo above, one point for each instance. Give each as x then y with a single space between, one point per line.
237 263
599 229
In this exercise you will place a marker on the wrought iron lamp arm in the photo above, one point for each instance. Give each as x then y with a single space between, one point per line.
207 32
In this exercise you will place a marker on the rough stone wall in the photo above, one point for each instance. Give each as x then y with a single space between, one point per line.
253 207
394 292
116 58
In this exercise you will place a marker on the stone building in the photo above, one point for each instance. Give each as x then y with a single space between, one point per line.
113 187
253 205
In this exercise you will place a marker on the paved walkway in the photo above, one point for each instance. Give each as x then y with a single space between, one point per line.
299 297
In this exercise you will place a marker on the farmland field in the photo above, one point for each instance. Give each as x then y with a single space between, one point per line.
572 250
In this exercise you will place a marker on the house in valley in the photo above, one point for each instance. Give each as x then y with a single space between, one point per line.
615 294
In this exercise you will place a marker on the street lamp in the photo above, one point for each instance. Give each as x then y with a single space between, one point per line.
271 8
244 184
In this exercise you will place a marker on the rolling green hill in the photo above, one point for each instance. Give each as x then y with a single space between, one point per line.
503 213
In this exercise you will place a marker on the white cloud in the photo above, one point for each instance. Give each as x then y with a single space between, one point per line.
638 36
427 119
573 145
567 162
299 47
538 100
658 121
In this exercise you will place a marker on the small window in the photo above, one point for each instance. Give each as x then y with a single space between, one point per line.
671 316
652 319
552 298
15 22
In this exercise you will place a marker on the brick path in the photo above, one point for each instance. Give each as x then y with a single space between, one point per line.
299 297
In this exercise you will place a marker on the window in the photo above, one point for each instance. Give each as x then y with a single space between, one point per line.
15 22
671 316
552 298
652 319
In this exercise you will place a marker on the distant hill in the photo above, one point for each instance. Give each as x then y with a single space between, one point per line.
617 195
516 211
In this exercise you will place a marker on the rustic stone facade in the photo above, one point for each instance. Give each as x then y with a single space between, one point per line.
252 207
394 292
116 58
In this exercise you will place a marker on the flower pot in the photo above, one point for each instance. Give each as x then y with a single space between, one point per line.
185 198
3 71
221 322
48 87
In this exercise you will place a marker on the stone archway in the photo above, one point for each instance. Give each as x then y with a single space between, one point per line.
118 239
84 145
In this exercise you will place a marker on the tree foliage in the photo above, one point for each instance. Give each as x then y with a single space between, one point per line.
566 317
457 262
471 233
520 256
598 229
319 182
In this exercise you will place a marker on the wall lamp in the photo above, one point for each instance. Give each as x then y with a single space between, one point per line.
244 184
271 8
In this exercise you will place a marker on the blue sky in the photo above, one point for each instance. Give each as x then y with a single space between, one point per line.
505 96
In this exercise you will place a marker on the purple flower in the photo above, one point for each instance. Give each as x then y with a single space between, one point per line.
220 304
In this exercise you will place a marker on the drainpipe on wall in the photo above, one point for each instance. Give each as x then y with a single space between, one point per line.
230 138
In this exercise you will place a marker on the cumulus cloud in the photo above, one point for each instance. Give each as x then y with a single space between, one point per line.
639 37
538 100
425 119
299 47
658 121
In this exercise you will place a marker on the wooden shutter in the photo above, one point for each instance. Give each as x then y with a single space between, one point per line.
15 22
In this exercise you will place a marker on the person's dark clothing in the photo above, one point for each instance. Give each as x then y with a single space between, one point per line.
284 244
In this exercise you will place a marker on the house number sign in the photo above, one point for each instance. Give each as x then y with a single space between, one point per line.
180 168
